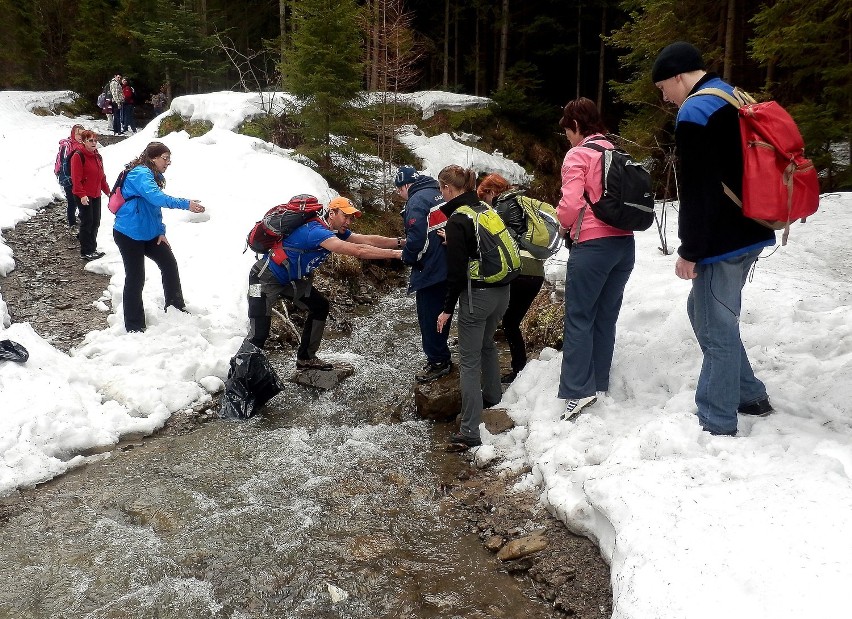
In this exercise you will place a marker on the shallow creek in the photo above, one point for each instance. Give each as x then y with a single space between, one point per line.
320 507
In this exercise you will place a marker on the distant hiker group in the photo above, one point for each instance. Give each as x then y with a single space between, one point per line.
476 247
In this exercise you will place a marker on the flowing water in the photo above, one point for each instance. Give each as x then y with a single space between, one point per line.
315 509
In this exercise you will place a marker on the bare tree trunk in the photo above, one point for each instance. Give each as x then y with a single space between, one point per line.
504 45
456 49
282 26
379 14
579 45
601 60
476 57
730 22
446 44
203 15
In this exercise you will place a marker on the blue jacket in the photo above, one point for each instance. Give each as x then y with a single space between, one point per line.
304 251
141 217
425 253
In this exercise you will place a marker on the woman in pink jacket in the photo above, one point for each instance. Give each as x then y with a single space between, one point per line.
600 262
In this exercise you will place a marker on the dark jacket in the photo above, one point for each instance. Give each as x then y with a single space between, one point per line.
461 248
707 135
425 253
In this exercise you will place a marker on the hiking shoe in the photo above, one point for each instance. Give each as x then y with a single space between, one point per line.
460 442
93 256
507 379
574 407
73 230
313 364
433 371
761 408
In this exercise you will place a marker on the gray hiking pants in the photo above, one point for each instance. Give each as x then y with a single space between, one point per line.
479 367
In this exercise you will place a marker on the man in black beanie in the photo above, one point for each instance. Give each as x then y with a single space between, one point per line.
718 243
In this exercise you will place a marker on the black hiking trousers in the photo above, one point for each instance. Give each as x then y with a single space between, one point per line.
133 254
264 292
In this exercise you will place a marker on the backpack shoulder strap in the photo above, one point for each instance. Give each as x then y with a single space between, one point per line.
738 98
597 147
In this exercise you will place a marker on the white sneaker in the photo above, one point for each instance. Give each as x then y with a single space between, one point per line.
573 408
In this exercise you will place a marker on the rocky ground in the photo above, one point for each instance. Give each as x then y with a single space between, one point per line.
50 289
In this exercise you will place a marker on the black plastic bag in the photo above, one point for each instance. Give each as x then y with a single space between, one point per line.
12 351
251 383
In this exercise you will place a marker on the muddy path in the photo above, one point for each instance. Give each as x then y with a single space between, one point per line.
50 289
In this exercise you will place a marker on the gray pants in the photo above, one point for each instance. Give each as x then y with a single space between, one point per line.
479 367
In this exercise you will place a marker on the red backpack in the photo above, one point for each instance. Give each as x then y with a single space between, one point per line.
279 222
780 185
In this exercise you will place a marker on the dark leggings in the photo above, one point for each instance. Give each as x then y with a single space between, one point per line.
133 254
522 292
90 221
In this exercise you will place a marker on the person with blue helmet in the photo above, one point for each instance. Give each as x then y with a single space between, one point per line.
426 254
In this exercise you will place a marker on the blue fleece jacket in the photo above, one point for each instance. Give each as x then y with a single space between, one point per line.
425 253
141 217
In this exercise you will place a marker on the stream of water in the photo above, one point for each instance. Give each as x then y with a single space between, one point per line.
320 507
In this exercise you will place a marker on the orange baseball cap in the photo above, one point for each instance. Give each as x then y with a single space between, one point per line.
344 205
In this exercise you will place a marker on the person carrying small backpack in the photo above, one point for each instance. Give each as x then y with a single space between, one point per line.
719 245
481 304
523 289
140 233
600 262
88 182
62 170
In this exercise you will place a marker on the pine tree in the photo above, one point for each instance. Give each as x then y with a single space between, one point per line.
324 72
175 45
95 49
21 50
807 48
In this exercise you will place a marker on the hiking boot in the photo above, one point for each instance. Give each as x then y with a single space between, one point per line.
574 407
433 371
313 364
761 408
460 442
92 256
73 230
507 379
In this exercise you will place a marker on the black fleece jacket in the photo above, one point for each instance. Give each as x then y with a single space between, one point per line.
461 248
707 135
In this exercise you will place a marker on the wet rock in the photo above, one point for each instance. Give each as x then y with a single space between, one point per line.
323 379
497 420
441 399
522 547
494 543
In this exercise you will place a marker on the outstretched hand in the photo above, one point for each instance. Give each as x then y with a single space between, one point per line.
195 206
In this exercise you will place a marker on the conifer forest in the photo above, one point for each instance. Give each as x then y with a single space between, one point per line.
529 56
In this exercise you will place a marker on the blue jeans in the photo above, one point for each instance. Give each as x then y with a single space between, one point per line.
726 380
430 303
128 122
595 278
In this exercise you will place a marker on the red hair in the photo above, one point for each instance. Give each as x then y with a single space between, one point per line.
494 183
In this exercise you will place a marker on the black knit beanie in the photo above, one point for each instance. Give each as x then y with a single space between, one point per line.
677 58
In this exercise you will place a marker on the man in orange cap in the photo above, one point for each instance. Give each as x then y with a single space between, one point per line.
307 247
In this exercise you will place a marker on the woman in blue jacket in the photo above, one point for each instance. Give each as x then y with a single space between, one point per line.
139 232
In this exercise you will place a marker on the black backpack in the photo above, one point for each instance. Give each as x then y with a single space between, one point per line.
627 201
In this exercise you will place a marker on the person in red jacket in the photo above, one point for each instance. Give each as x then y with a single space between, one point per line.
128 122
87 182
